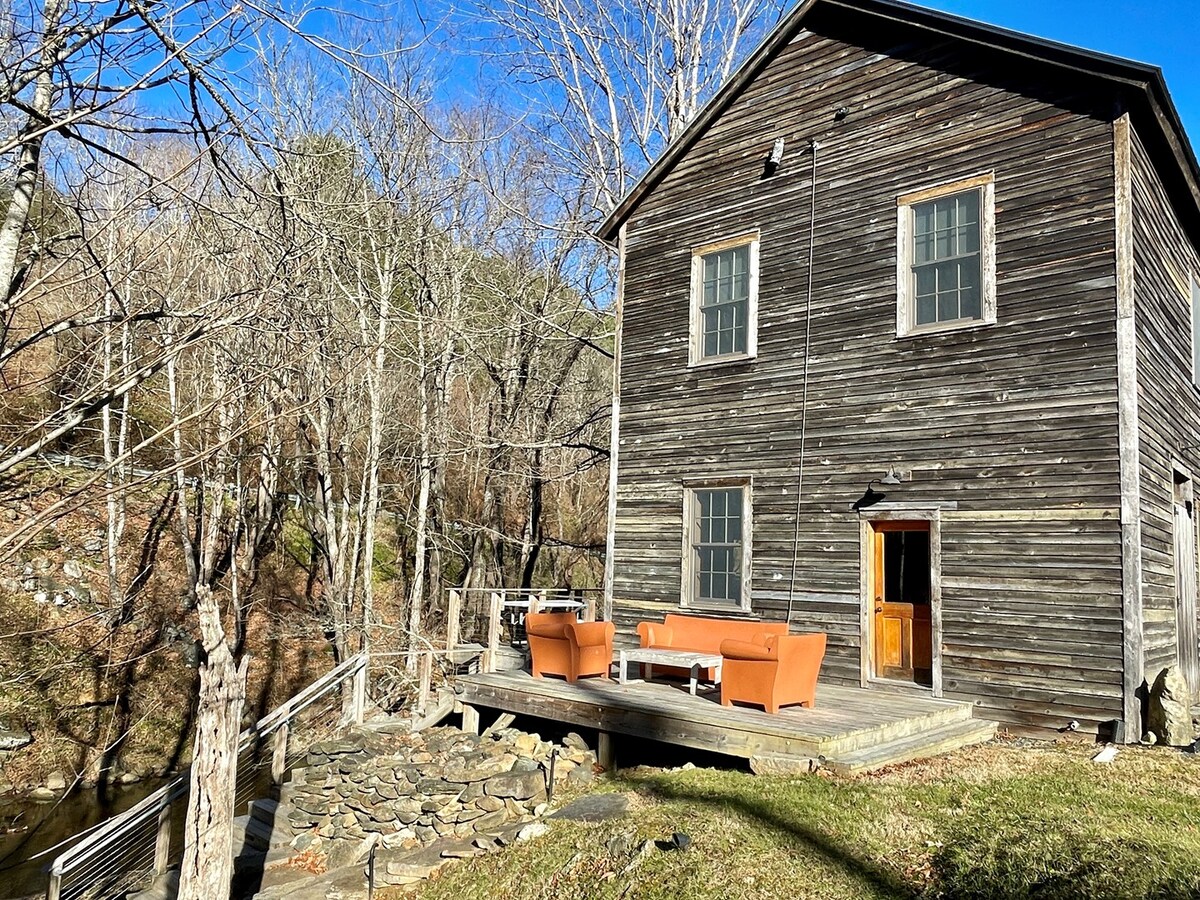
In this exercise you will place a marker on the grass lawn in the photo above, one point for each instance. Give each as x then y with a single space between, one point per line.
1007 819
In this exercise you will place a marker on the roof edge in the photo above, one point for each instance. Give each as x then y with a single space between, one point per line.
1143 77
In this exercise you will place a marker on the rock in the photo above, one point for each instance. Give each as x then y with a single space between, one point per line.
57 782
346 853
72 569
524 764
580 776
130 778
594 808
783 765
14 738
620 844
165 887
574 742
527 743
42 794
93 545
1170 715
517 785
532 830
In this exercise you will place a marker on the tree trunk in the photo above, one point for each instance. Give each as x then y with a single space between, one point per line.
207 869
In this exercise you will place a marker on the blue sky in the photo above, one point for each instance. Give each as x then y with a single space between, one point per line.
1165 33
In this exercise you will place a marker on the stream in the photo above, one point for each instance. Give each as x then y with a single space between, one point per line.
42 825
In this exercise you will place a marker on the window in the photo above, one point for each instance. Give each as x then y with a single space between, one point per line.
724 317
1195 331
716 561
946 268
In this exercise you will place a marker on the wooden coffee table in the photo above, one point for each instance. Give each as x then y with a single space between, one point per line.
678 659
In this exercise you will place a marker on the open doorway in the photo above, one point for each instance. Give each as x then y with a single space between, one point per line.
901 602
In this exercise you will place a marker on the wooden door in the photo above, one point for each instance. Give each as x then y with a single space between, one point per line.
901 614
1186 630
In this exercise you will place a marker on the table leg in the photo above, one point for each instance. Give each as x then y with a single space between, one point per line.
649 670
695 678
623 669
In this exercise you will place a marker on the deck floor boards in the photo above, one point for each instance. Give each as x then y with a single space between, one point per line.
845 719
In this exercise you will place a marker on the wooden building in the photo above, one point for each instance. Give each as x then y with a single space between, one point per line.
958 264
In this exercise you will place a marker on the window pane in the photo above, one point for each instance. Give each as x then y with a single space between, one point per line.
926 310
968 272
947 307
718 502
923 248
733 588
926 281
705 584
970 305
923 218
943 216
968 207
968 238
944 244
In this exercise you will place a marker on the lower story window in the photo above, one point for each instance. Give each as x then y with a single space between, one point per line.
717 564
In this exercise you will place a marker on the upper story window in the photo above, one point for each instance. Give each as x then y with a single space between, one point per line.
717 552
946 272
724 301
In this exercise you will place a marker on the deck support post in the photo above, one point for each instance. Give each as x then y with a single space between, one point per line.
470 719
606 754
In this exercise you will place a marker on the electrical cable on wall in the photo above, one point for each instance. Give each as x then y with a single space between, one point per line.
812 238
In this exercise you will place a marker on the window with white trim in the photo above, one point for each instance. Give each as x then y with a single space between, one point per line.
946 271
724 301
717 546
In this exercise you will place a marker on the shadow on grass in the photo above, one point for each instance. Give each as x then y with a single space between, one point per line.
828 849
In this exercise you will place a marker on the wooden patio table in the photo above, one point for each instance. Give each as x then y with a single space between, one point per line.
679 659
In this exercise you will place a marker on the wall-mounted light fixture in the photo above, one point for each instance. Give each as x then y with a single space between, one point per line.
775 159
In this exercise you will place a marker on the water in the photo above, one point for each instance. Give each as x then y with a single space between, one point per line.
47 824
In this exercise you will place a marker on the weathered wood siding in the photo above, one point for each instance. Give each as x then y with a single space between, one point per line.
1016 423
1165 261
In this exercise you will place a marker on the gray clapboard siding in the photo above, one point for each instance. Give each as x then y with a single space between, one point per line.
1011 422
1169 404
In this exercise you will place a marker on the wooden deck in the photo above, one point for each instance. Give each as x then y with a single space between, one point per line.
850 729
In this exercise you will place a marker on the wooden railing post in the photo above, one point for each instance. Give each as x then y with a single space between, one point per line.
279 754
536 601
425 667
54 889
589 609
453 619
162 840
495 608
360 693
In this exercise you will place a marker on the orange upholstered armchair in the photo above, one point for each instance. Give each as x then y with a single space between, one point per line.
559 645
772 670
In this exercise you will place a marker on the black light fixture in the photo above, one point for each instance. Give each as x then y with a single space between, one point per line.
871 496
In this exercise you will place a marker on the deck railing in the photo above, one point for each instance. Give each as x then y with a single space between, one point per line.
128 851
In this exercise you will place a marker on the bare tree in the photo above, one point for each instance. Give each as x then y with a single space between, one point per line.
616 81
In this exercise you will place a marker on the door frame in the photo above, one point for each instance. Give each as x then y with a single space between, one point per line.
1183 489
867 519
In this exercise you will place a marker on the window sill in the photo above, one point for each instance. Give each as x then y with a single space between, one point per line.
729 611
726 359
932 330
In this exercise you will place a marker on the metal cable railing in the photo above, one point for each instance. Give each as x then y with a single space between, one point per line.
128 851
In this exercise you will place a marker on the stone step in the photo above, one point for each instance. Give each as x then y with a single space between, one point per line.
250 836
930 742
263 811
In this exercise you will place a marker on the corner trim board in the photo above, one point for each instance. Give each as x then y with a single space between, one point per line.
1133 658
